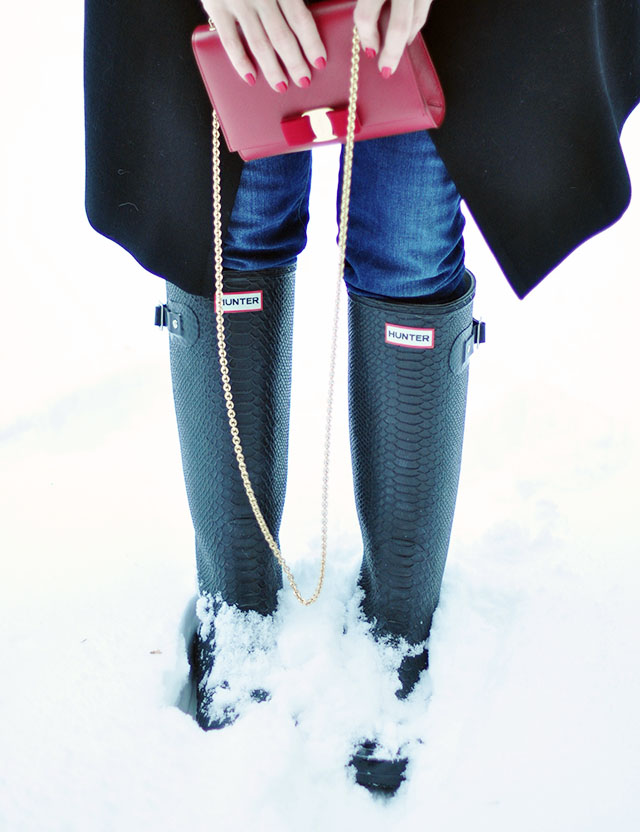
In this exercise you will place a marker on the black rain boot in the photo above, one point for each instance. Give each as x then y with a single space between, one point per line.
408 370
234 562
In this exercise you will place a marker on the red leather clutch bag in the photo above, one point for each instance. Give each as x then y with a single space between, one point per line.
258 122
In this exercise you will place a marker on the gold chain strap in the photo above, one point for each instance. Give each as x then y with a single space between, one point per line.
222 351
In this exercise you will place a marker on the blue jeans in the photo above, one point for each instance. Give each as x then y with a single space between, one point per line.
405 224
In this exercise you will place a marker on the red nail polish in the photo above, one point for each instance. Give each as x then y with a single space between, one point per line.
320 63
305 81
250 79
370 53
282 86
386 72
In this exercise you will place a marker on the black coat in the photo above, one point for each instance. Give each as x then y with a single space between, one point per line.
537 93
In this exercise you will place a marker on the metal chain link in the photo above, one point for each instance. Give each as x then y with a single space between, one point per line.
222 351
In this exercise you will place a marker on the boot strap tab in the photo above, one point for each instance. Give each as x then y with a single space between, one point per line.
479 332
465 345
161 315
165 317
179 320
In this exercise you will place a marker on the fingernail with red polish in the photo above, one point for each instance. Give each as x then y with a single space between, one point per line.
386 72
250 79
282 86
320 63
305 81
370 53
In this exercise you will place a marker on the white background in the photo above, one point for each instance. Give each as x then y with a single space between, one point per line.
529 719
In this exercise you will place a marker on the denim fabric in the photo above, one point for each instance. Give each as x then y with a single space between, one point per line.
405 224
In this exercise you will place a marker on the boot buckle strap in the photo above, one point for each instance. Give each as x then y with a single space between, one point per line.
179 320
465 345
161 315
165 317
478 336
479 331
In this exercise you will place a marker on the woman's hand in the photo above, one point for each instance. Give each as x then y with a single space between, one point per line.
406 19
278 32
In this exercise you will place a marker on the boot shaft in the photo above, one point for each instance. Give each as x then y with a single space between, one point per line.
233 558
408 372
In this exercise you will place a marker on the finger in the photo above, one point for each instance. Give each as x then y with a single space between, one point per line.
420 15
365 17
303 25
263 51
227 30
284 42
396 37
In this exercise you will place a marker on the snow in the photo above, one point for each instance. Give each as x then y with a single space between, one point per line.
528 718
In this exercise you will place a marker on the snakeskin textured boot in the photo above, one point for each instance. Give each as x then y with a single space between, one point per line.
408 370
234 563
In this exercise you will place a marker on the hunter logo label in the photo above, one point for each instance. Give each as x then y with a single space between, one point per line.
241 302
405 336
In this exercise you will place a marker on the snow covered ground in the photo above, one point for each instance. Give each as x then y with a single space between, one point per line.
529 717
